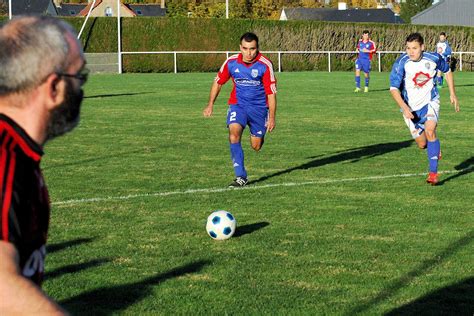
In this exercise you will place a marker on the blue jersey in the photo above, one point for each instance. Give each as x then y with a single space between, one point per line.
252 82
415 79
370 45
444 49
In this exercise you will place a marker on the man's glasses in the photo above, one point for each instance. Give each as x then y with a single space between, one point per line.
82 75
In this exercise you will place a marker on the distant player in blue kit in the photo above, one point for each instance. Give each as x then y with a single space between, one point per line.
365 48
413 88
252 101
445 51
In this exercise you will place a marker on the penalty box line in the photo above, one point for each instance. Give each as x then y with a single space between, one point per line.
250 187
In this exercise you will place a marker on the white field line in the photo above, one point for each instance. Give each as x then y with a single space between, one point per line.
250 187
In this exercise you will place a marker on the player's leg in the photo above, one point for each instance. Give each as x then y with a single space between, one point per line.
256 142
439 77
257 120
366 69
433 147
236 120
417 132
357 75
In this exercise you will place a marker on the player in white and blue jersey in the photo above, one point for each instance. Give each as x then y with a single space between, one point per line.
444 49
365 48
252 101
413 88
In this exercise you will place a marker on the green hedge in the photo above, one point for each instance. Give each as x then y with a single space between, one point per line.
170 34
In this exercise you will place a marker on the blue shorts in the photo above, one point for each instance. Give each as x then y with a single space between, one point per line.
254 117
363 64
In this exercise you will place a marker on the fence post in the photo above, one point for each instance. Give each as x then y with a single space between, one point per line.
175 63
329 61
460 62
380 65
279 61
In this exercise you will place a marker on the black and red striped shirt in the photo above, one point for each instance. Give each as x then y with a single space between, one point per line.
24 199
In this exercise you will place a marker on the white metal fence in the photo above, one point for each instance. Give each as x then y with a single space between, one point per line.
279 65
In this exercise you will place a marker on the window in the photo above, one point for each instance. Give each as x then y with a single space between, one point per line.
108 11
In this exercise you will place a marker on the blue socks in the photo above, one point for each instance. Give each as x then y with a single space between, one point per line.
237 155
357 80
432 151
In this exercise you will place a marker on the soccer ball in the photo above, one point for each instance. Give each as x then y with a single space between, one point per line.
220 225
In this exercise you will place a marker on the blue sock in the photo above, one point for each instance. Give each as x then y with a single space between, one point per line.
366 82
432 151
358 81
237 155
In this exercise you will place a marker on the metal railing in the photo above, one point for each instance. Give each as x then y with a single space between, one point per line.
279 53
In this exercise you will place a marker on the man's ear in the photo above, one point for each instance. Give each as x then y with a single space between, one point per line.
53 90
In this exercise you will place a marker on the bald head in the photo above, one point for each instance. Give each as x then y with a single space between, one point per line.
31 48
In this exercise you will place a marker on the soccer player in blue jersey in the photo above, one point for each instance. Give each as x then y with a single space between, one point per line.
365 48
252 101
413 88
445 51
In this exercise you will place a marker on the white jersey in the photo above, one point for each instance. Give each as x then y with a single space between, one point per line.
444 49
415 79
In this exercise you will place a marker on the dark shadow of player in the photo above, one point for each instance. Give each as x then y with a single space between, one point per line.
350 155
465 167
112 299
423 268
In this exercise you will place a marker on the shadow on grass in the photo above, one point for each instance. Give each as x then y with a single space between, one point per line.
378 90
112 299
50 248
465 167
350 155
423 268
456 299
114 95
250 228
72 268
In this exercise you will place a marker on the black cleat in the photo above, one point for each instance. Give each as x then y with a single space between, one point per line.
238 182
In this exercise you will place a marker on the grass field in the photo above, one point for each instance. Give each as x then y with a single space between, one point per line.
338 218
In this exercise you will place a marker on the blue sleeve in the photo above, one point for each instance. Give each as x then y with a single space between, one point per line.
442 64
397 75
448 51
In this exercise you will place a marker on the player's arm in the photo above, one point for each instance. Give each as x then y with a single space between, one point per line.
222 77
272 106
401 103
269 84
215 90
396 80
18 294
452 90
373 49
448 51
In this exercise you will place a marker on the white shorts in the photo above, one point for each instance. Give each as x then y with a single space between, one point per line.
429 112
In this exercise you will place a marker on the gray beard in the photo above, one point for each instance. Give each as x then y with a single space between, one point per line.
66 116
